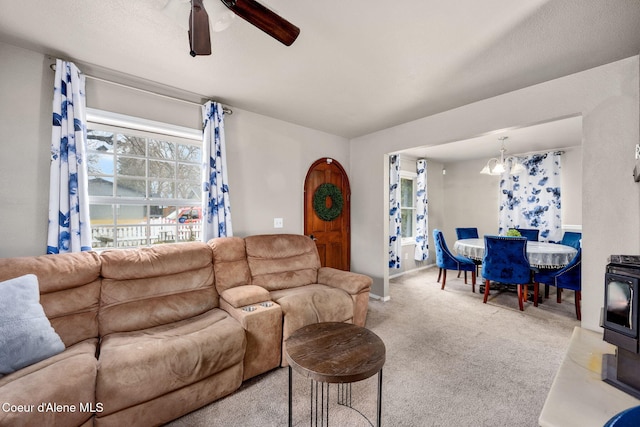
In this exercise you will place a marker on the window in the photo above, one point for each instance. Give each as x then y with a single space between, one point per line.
408 207
144 187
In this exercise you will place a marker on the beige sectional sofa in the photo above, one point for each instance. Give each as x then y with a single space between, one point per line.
151 334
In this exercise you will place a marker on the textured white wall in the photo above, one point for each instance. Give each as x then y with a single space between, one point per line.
471 199
267 158
572 186
26 85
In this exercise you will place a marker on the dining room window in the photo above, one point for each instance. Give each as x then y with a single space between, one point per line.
408 206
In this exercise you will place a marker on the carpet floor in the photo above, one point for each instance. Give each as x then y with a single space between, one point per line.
451 361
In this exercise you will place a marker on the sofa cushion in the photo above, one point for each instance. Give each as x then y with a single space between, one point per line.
136 367
148 287
313 304
229 263
26 335
67 378
170 406
282 261
69 290
154 261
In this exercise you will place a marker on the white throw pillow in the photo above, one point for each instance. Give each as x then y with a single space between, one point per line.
26 335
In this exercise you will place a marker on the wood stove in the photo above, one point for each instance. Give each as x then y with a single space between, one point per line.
620 320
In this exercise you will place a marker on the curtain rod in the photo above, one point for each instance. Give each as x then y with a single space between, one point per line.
226 110
558 151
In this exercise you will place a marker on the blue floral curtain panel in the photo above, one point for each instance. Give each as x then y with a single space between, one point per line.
216 208
395 219
422 224
69 226
532 199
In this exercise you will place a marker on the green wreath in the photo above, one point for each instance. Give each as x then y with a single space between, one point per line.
320 202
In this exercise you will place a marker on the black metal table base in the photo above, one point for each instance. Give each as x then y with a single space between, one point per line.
319 401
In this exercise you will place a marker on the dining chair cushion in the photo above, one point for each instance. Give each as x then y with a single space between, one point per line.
568 277
467 233
571 238
530 233
505 260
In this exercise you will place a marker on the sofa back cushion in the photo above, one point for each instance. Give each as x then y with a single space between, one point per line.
229 263
147 287
282 261
69 286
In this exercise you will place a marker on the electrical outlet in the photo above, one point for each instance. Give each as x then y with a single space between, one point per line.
278 223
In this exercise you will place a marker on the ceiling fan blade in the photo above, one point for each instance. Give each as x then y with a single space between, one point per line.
199 36
265 19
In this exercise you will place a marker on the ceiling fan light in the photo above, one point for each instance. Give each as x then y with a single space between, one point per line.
178 12
223 21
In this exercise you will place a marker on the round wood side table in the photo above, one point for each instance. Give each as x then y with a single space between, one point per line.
334 353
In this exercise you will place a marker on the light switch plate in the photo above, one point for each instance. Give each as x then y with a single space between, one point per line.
278 222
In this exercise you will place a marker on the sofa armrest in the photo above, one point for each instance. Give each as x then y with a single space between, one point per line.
245 295
353 283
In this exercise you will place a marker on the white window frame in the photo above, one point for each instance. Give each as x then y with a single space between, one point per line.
137 123
412 176
130 125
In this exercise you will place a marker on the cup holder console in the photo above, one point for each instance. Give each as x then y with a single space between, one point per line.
264 304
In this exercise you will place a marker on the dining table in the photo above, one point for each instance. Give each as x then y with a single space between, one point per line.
540 254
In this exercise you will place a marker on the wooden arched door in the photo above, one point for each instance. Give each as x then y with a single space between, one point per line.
332 236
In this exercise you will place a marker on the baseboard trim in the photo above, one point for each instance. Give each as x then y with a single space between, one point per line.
379 298
424 267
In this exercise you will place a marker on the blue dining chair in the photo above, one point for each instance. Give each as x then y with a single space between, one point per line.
505 261
467 233
571 238
530 233
445 260
568 277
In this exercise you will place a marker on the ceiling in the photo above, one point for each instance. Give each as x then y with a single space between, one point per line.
358 66
553 135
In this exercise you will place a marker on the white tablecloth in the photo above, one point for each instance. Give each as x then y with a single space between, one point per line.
540 254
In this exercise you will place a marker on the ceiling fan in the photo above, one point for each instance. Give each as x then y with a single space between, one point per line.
249 10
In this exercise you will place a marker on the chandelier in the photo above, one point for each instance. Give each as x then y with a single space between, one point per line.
498 166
